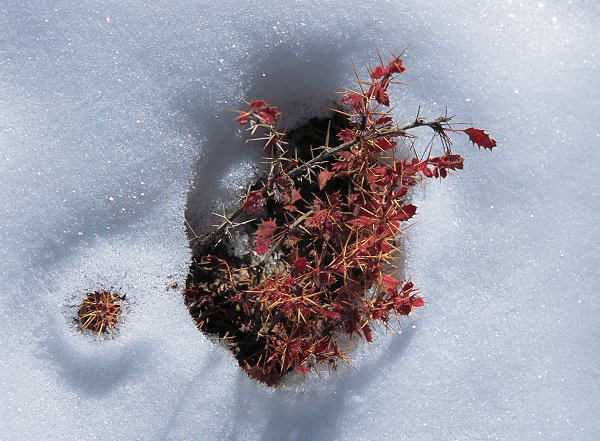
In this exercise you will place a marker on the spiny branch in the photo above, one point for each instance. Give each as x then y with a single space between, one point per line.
436 125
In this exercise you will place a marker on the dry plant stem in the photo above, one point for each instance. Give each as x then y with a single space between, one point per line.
215 235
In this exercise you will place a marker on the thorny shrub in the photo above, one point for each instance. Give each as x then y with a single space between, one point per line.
324 229
100 311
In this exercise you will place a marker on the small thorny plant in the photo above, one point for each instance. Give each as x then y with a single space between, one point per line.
100 311
323 224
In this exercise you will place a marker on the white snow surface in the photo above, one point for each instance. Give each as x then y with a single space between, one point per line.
109 110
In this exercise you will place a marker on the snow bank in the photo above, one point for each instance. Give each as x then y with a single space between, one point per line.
107 113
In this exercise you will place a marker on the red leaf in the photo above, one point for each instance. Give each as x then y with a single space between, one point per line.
261 245
254 201
385 247
255 104
291 199
403 307
480 138
453 162
363 221
379 72
333 312
266 229
408 288
385 144
442 164
406 212
417 301
400 193
269 377
322 346
281 189
382 97
396 66
264 111
324 176
264 236
389 282
300 264
346 135
243 118
268 114
353 100
383 120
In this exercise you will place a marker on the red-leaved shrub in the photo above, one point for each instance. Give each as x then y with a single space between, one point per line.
323 224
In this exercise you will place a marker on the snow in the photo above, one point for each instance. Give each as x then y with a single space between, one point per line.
109 111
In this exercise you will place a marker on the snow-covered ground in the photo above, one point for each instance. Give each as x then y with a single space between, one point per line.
109 109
